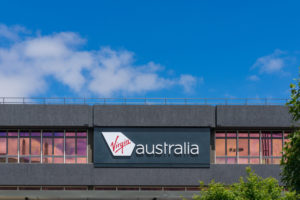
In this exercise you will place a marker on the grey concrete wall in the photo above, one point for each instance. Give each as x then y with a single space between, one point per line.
253 116
86 174
45 115
154 115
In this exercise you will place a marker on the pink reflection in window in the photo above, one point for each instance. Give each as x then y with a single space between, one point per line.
2 146
277 134
231 134
231 160
47 146
81 160
266 146
47 160
243 160
12 144
231 147
81 146
277 147
24 146
70 160
220 161
266 134
12 134
81 134
35 160
254 147
219 134
220 147
58 160
58 146
35 146
266 161
243 134
254 134
70 134
276 160
254 160
243 147
70 146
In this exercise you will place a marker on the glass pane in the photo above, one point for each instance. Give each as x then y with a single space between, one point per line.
36 134
47 134
266 146
70 134
12 159
58 160
2 160
220 147
243 160
35 146
254 160
81 160
24 146
58 146
47 146
70 146
254 147
58 134
81 134
231 134
220 161
231 147
2 146
277 147
35 160
277 134
231 161
243 134
219 134
24 134
243 147
266 161
266 134
276 160
47 160
24 160
12 144
81 146
254 134
13 134
2 133
70 160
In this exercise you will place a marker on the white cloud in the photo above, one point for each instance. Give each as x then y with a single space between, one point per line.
26 63
274 62
253 78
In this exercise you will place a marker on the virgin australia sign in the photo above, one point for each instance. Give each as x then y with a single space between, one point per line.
151 147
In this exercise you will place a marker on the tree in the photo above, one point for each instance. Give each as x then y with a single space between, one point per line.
291 152
253 187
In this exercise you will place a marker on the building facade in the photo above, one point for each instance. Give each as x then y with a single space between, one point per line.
142 151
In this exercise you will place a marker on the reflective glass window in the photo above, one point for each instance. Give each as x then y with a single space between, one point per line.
70 146
35 146
81 146
243 147
254 147
231 147
12 144
277 147
47 146
58 146
24 146
220 147
2 146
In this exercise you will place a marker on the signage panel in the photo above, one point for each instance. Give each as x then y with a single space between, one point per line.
151 147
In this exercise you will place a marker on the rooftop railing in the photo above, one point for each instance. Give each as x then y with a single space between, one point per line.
143 101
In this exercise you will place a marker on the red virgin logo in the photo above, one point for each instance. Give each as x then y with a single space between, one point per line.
117 146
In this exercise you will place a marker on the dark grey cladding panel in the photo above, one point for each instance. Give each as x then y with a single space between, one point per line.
86 174
45 115
154 115
253 116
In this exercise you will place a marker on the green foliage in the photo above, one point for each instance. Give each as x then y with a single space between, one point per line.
253 188
291 152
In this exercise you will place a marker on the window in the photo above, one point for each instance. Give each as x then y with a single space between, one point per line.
43 146
249 147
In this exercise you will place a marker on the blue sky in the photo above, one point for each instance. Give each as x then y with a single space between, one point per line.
211 49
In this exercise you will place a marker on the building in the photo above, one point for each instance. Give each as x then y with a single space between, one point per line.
134 151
